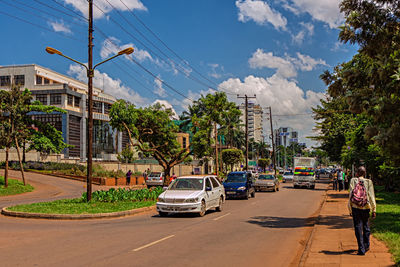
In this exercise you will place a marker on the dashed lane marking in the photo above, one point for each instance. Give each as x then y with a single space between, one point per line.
153 243
220 217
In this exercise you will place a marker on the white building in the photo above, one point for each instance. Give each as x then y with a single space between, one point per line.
52 88
255 120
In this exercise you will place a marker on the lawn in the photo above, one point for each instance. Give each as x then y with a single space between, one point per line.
80 206
14 187
386 226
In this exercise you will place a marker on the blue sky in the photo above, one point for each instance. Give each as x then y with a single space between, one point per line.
275 49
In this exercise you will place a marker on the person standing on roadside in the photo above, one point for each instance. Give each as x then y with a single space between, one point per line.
128 177
340 180
361 203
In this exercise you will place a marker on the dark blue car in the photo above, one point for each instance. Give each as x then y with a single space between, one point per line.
239 185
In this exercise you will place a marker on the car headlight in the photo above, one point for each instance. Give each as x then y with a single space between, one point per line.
160 199
192 200
242 188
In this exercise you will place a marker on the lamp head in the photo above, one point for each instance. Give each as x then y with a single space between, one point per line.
126 51
52 51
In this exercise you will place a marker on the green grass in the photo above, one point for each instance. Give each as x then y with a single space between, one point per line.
80 206
14 187
386 226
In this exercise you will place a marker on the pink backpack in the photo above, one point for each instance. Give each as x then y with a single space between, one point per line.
359 194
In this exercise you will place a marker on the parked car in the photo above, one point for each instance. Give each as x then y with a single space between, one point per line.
287 177
267 182
239 185
155 179
191 194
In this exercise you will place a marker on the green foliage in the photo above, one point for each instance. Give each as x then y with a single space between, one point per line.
263 163
14 187
127 155
386 225
232 156
35 165
122 194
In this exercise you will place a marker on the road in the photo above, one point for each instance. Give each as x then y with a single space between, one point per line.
268 230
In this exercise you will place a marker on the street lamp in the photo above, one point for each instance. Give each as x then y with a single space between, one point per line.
90 75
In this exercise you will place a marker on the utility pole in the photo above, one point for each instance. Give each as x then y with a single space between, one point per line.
90 74
216 148
273 142
247 126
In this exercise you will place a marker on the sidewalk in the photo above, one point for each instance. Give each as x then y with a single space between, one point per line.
333 242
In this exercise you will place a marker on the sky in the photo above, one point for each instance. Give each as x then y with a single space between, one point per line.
274 49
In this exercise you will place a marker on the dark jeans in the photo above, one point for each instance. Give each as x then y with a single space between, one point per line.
361 227
335 185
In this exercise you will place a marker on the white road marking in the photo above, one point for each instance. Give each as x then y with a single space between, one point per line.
153 243
220 217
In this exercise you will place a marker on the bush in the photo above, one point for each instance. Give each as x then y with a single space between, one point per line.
121 194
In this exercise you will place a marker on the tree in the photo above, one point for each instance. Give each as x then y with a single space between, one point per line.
152 131
263 163
232 156
127 155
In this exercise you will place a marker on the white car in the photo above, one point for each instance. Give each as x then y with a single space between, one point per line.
192 194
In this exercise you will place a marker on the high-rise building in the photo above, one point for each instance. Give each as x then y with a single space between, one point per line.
55 89
285 136
255 120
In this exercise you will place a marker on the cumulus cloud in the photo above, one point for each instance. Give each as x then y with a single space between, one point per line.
167 105
59 26
285 67
158 89
111 86
261 13
82 6
284 96
111 46
326 11
307 30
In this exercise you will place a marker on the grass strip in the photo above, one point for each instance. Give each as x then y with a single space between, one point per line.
14 187
80 206
386 226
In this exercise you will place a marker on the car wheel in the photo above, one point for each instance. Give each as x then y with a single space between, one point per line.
253 195
162 213
202 209
221 203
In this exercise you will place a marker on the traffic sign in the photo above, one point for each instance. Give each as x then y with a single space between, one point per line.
284 134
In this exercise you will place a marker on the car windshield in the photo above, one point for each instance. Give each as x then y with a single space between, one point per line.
155 174
288 173
266 177
236 178
187 184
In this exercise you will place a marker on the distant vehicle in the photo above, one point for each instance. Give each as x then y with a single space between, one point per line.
304 172
287 177
254 173
192 194
155 179
239 185
266 182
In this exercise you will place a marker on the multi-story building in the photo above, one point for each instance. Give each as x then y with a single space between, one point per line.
255 120
52 88
285 136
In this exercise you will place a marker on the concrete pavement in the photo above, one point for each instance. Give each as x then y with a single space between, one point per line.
333 242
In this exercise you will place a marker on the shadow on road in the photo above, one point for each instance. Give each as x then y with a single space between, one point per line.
345 252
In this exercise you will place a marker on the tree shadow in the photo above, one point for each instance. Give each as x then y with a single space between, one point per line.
344 252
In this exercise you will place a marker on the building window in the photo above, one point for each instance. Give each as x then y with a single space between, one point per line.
39 79
5 80
46 81
107 108
19 79
77 101
97 107
55 99
42 99
70 100
53 119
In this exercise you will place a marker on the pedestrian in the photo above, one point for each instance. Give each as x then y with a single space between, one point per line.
172 178
128 177
340 180
361 204
335 182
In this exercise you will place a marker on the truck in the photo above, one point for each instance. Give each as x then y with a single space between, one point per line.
304 172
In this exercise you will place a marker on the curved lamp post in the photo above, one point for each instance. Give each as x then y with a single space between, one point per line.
90 75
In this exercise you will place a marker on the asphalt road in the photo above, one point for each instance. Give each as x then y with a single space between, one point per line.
268 230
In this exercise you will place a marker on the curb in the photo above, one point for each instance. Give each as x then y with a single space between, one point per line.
19 214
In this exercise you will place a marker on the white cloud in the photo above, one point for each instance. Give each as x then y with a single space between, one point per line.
308 30
284 96
59 26
261 13
216 70
111 86
285 67
82 6
338 46
111 46
167 105
326 11
158 89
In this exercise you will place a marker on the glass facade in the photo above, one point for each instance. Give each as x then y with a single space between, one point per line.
103 138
